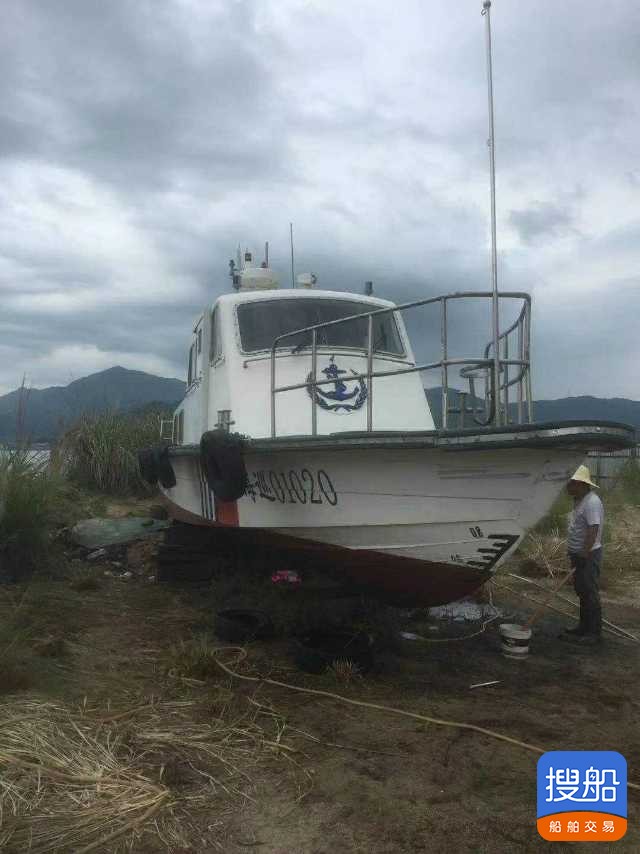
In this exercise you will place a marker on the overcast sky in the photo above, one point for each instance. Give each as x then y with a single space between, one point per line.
141 141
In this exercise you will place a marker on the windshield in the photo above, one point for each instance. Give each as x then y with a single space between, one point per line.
264 320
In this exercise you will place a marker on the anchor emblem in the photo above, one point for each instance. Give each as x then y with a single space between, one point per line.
340 394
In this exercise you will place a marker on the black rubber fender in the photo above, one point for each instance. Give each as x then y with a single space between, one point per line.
155 466
148 465
222 460
166 474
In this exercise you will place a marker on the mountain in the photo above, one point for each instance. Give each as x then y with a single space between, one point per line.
49 410
586 407
564 409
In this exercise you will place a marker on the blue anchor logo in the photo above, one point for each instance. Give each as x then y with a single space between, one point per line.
340 394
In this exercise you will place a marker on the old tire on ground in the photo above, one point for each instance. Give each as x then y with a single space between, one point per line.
223 464
239 625
315 651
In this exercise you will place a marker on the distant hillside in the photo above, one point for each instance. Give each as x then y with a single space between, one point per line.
50 410
563 409
607 409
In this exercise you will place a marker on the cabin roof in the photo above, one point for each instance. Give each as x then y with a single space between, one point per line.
299 293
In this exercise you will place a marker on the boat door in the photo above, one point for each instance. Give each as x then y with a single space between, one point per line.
218 411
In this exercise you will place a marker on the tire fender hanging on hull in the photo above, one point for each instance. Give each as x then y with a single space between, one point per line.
222 461
155 466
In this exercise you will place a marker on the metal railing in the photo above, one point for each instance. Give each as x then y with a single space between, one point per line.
510 370
167 430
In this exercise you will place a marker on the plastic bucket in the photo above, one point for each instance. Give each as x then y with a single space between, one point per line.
515 640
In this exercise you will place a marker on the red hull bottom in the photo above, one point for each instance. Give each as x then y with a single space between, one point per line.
400 580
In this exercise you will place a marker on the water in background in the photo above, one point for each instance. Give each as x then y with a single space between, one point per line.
38 456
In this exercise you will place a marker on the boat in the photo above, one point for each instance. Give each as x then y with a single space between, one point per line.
305 435
305 428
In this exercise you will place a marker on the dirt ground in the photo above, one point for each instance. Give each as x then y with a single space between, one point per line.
394 785
362 780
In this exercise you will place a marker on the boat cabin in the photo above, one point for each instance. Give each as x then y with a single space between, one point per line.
235 371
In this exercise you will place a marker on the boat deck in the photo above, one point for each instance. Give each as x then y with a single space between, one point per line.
587 434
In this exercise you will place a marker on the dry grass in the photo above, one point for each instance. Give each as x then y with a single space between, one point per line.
544 551
192 658
622 547
544 554
141 743
66 786
345 671
73 781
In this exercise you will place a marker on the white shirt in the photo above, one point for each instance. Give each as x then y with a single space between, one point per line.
587 512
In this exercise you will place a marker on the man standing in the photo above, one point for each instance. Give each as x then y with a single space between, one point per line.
585 554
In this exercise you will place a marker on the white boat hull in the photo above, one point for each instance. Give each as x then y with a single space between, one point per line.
346 470
423 522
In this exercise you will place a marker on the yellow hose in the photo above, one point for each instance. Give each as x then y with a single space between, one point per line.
242 653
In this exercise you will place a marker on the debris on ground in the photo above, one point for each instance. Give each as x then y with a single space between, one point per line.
141 556
99 533
465 610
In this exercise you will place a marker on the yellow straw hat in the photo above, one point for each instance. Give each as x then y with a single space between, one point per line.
583 475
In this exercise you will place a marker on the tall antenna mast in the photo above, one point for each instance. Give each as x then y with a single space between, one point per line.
486 11
293 272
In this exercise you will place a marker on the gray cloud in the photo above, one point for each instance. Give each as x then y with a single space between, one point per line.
127 93
140 142
539 221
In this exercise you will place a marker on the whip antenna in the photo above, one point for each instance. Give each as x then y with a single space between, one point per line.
486 12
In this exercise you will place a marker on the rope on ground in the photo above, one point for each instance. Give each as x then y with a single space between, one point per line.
573 604
612 631
363 704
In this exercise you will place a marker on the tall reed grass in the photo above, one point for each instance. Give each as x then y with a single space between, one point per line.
100 451
29 495
543 551
626 489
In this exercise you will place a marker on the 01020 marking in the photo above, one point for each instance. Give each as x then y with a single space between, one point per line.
296 486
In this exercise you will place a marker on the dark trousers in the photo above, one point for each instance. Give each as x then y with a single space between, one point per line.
585 580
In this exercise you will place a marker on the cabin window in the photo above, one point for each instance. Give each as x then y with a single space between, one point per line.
264 320
199 341
178 427
215 351
191 372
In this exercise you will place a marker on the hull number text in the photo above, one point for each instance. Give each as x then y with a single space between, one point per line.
300 486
